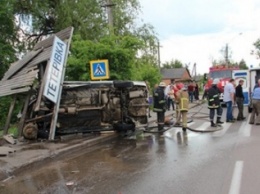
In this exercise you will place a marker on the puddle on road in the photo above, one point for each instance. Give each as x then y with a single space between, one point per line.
110 164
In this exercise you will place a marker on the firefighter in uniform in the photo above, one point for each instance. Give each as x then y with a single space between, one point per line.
160 104
214 103
183 106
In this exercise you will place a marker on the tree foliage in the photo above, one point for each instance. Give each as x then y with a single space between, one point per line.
8 36
256 52
120 52
173 64
242 64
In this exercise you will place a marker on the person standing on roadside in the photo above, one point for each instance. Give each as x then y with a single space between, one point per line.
196 91
191 89
240 100
258 84
214 103
229 99
171 98
255 106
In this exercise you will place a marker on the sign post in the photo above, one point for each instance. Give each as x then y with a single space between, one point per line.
55 78
55 71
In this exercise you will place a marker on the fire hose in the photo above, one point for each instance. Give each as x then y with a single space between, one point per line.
193 116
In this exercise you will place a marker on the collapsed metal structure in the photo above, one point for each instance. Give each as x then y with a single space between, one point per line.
80 107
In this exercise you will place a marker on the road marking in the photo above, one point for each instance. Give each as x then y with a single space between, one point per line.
245 128
225 127
190 124
236 178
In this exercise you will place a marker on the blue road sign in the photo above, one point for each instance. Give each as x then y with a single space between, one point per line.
99 69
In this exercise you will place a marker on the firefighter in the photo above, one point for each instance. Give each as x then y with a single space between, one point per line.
183 106
176 92
160 104
214 103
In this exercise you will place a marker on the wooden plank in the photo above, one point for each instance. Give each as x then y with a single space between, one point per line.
8 119
39 99
21 64
25 71
22 120
44 56
16 84
9 139
26 74
18 81
7 90
18 91
63 35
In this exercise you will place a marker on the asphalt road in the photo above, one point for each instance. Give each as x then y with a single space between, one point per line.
221 162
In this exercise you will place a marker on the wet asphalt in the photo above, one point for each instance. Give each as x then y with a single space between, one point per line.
225 161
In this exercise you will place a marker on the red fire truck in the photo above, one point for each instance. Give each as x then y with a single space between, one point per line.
224 74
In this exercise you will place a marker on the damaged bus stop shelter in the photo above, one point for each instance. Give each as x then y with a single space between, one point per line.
55 107
43 66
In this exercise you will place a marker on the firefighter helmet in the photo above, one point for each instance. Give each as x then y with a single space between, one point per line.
215 81
180 86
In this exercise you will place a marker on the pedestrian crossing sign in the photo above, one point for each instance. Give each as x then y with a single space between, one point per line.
99 69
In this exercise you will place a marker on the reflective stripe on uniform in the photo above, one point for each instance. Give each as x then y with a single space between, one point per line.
161 101
156 94
182 102
213 106
157 110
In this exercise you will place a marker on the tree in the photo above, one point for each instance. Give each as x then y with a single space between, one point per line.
8 36
242 64
257 49
89 17
120 51
173 64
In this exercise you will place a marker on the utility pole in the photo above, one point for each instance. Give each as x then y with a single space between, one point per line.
109 5
159 57
226 55
226 50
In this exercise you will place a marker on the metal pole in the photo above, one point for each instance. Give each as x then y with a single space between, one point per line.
110 16
159 57
226 54
109 6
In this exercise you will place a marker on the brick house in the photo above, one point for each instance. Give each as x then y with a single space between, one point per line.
179 74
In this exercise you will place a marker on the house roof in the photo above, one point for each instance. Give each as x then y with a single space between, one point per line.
174 73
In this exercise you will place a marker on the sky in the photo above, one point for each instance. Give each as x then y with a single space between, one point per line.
196 31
